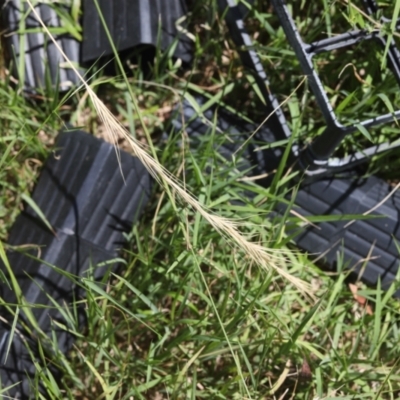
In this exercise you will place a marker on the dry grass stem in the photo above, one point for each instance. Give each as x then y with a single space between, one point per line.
264 257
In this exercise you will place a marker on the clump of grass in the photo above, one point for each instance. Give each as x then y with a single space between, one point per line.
228 228
199 323
189 316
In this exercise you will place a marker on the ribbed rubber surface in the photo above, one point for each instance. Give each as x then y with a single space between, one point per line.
35 50
90 205
374 239
134 23
72 192
39 282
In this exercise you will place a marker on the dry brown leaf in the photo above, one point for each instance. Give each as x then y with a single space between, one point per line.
362 301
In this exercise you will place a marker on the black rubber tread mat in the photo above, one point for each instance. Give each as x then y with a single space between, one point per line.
35 51
132 24
90 200
375 238
71 189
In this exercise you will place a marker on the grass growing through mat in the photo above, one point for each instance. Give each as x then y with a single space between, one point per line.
194 319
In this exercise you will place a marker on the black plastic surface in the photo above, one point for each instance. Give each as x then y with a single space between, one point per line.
234 13
90 205
34 51
372 238
134 23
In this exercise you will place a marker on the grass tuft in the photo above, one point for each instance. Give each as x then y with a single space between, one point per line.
190 314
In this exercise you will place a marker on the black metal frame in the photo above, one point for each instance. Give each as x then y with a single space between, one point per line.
251 60
316 158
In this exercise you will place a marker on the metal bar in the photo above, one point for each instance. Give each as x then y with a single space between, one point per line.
320 149
337 165
251 60
339 41
324 145
394 58
381 119
305 59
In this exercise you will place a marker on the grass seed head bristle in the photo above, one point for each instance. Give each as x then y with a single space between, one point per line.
228 228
